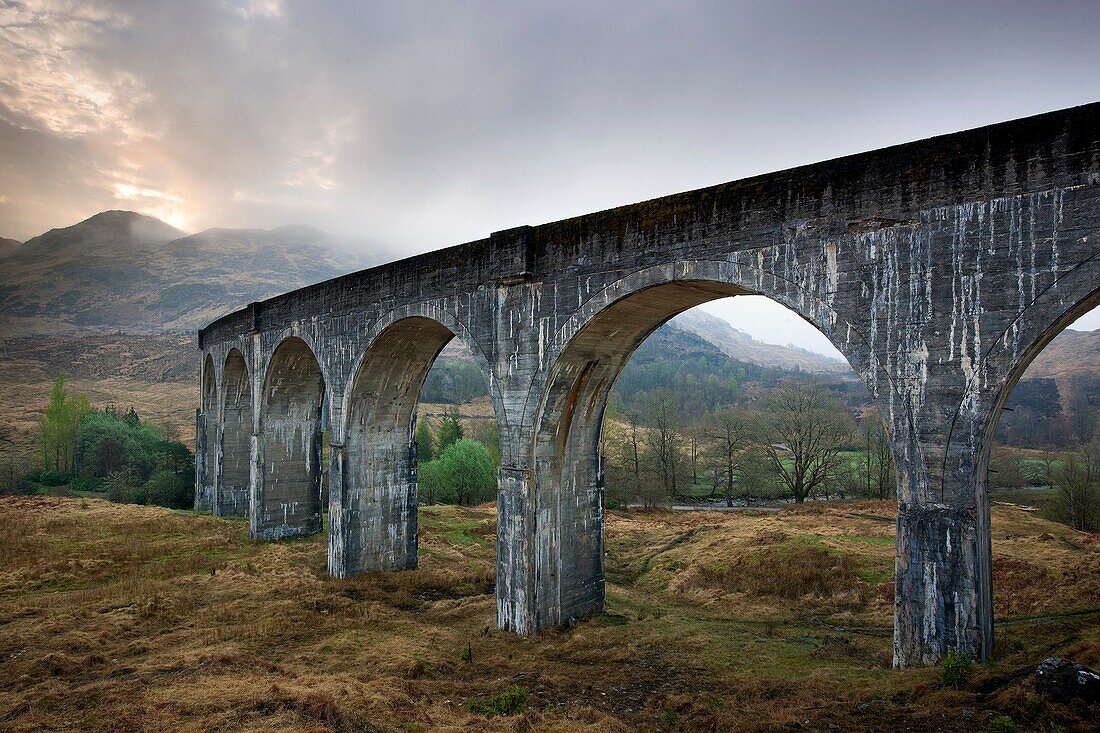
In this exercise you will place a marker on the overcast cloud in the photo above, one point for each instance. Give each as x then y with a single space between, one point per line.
414 126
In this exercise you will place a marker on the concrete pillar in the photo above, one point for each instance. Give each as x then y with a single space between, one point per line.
943 595
255 484
203 500
943 590
516 571
337 521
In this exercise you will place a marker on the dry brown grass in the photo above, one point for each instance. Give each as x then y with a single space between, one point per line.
128 618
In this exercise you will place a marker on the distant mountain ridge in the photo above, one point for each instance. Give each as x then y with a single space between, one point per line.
8 246
119 271
743 347
1070 353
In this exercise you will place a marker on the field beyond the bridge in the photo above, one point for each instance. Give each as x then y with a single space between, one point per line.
129 618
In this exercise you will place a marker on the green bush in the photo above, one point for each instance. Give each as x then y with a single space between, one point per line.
87 484
20 487
509 702
463 474
1000 724
955 669
54 478
165 488
119 489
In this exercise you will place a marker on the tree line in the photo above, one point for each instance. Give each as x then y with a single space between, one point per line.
801 443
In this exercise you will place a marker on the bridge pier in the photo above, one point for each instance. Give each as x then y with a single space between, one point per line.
206 434
944 600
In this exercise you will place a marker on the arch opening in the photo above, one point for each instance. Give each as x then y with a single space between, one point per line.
290 444
378 497
569 457
207 429
236 438
1048 408
1041 451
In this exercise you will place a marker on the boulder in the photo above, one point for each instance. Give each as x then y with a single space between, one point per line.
1063 679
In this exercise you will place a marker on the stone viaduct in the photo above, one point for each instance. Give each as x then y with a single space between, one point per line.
939 268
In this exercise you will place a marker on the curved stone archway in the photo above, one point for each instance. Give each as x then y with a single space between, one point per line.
236 438
286 500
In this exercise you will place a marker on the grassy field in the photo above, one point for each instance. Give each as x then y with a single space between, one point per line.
127 618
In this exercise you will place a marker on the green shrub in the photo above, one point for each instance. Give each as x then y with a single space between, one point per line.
463 474
955 669
1000 724
23 486
467 653
509 702
165 488
87 484
119 489
54 478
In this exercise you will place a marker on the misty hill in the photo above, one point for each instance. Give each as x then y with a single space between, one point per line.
744 347
1070 353
7 246
122 271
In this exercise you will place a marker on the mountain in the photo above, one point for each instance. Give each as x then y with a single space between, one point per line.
7 246
1070 353
744 347
122 271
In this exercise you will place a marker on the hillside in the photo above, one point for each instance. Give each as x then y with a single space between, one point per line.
7 246
123 272
1069 354
130 618
743 347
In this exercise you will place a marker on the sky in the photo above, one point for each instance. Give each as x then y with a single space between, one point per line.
412 126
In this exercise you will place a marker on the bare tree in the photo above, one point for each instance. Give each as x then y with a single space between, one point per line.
631 446
730 431
879 457
805 429
663 439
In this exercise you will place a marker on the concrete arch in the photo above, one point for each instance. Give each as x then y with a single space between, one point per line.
235 451
586 358
373 519
374 522
427 311
1044 319
316 347
710 280
286 499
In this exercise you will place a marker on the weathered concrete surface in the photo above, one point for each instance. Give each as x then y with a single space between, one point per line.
236 425
939 268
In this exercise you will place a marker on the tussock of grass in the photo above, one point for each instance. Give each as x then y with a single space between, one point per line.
788 571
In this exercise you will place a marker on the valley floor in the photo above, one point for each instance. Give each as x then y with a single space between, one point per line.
129 618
